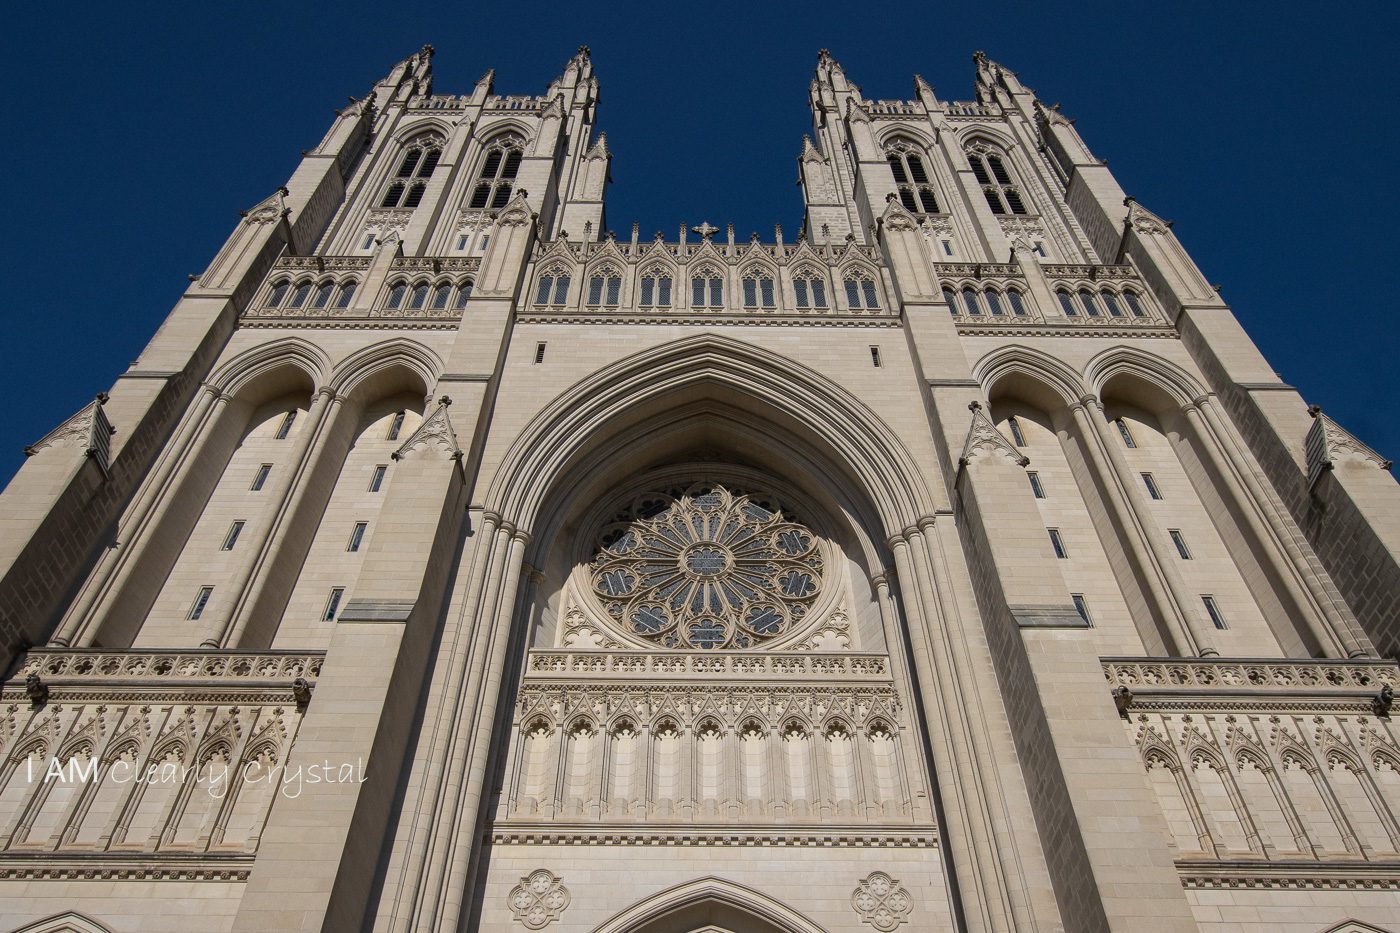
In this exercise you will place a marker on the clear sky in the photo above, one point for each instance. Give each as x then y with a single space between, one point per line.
134 133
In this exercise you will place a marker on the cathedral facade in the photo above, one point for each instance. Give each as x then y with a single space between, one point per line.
448 561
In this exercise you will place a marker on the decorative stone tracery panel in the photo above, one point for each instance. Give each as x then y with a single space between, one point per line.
708 569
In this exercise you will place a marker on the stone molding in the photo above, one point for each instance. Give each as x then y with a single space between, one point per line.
706 666
124 867
687 835
1276 676
160 667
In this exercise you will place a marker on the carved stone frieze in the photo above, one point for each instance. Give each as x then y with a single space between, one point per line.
93 666
731 707
782 666
1197 675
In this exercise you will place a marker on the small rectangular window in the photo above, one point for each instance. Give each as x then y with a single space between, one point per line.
1039 249
1151 485
485 241
539 353
1216 617
462 242
200 602
260 477
1058 544
231 538
875 356
1037 490
1016 436
1180 541
1081 606
368 241
395 426
285 427
357 537
376 479
1125 433
333 604
947 247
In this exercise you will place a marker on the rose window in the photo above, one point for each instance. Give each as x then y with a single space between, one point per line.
710 568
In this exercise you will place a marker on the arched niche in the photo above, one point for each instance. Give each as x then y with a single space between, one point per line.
1201 514
255 423
1073 498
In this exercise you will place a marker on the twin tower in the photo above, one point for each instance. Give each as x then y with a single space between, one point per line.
449 562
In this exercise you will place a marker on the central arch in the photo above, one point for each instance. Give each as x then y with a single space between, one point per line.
708 371
709 904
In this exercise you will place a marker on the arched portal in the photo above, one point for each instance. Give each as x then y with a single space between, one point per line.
709 905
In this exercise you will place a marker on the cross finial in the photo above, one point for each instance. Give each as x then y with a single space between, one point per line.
705 230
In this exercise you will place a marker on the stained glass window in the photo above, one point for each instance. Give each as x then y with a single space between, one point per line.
708 569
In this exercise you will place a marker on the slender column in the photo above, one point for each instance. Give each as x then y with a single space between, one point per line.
971 848
1144 538
443 816
1290 813
779 799
286 483
80 624
456 888
451 700
1328 623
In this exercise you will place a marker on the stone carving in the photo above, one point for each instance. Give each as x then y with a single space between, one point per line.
882 902
538 899
1019 225
435 433
1224 676
87 428
1145 223
87 666
833 635
897 217
983 439
768 665
581 634
709 569
1328 442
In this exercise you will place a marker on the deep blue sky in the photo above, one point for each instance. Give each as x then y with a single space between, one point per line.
136 132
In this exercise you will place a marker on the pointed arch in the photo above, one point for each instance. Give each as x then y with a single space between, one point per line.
236 374
1001 368
70 921
418 132
1117 361
359 367
846 433
712 900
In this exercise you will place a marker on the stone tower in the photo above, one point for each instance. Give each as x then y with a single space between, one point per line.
447 563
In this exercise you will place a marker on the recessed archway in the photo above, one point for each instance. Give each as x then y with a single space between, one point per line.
709 905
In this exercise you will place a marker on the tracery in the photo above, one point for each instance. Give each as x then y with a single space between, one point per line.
707 567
